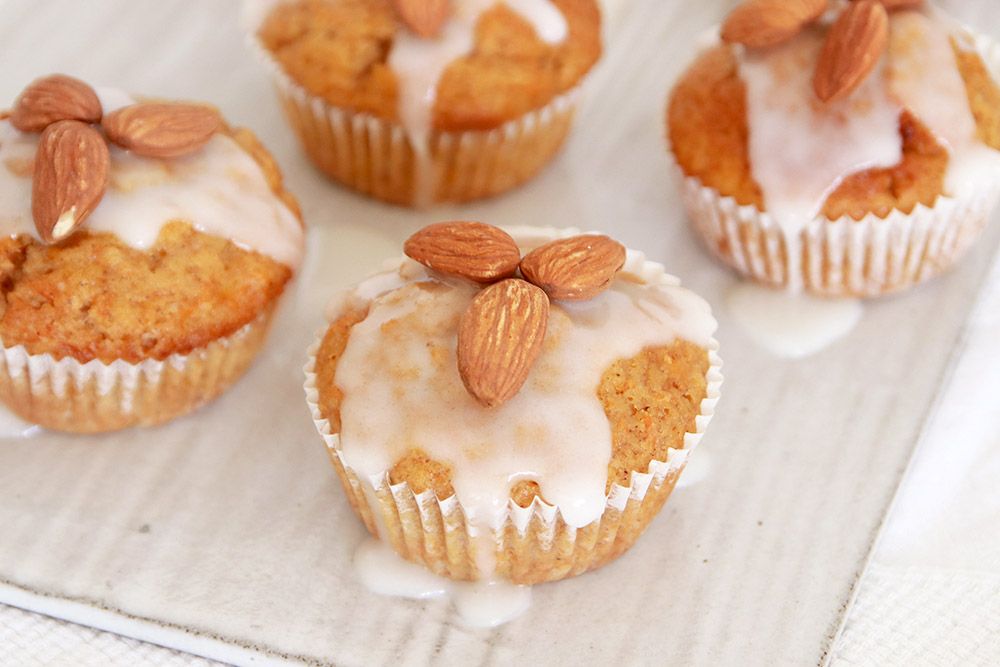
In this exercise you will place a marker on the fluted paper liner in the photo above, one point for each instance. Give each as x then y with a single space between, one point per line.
533 544
374 156
93 397
844 257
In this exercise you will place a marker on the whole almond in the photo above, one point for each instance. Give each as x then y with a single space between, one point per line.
576 268
763 23
162 129
853 47
53 98
71 174
891 5
423 17
472 250
500 336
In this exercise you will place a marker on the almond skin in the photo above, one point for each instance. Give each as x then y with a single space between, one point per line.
763 23
500 336
54 98
472 250
161 129
891 5
423 17
71 174
853 47
576 268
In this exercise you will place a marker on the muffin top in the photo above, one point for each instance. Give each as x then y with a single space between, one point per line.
488 62
920 120
135 257
618 380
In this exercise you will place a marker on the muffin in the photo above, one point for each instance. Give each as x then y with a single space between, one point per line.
145 247
507 419
422 101
851 152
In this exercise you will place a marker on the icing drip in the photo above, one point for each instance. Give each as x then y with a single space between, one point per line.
419 64
478 604
801 150
220 190
925 78
791 325
12 426
402 391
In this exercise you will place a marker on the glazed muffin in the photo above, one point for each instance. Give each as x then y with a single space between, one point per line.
524 425
412 102
855 152
145 246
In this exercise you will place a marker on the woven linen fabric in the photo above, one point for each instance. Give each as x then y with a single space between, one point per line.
28 639
931 596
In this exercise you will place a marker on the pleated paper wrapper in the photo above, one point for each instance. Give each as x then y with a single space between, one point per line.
532 544
92 397
376 157
845 257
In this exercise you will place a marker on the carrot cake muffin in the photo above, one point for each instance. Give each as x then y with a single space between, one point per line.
495 417
143 248
844 148
418 101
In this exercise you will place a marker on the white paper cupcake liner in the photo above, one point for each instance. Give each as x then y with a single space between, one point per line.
530 544
844 257
375 156
67 395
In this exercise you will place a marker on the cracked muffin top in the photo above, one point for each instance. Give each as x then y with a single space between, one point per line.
340 50
748 121
144 256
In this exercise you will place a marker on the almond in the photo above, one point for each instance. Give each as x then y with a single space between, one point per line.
891 5
576 268
53 98
762 23
161 129
500 336
853 47
473 250
423 17
71 174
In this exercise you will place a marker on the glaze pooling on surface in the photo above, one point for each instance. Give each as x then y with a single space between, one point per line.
554 431
419 63
801 150
791 325
220 190
478 604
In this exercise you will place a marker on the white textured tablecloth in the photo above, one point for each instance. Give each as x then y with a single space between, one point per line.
931 595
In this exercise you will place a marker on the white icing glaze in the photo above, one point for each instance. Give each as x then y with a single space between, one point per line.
384 572
402 391
419 64
791 325
925 79
478 604
491 603
801 150
698 468
12 426
220 190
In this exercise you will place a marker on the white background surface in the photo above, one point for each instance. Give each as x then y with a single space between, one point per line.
249 537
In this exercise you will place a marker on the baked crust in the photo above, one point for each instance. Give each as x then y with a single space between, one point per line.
338 50
94 297
707 127
651 400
